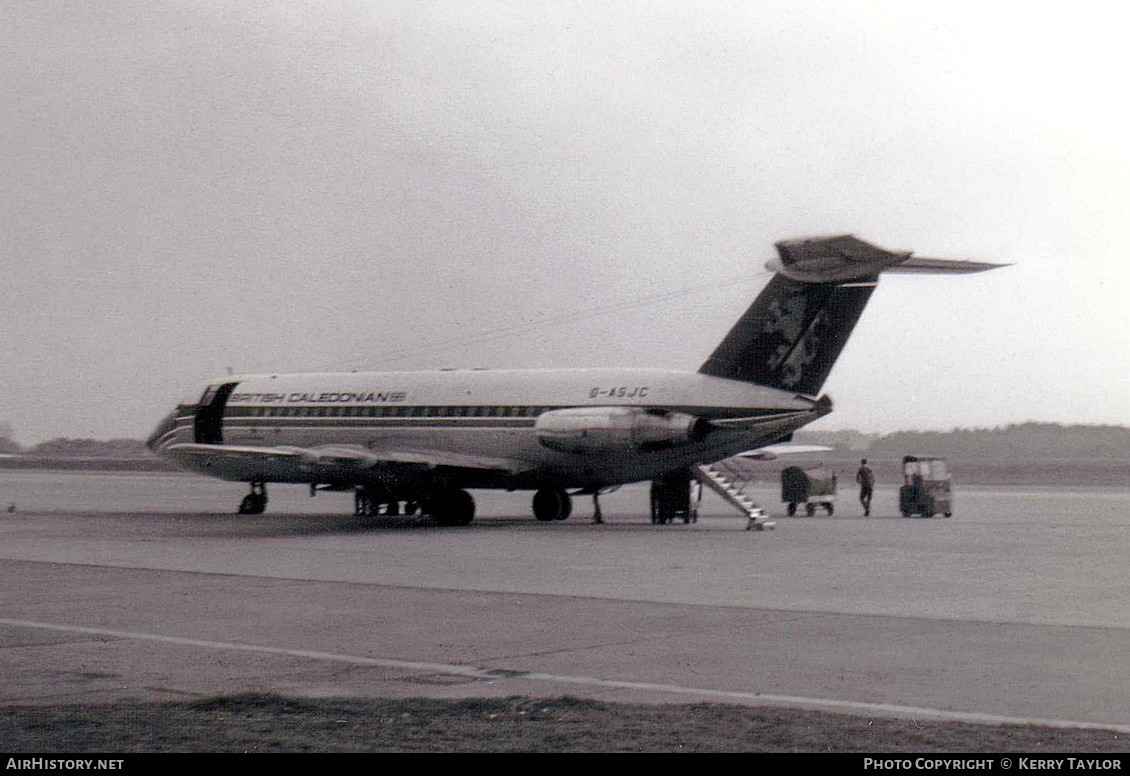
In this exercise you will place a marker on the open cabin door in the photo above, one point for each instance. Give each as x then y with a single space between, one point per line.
208 427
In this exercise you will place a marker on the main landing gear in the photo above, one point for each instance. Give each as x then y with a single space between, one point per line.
256 501
449 506
368 502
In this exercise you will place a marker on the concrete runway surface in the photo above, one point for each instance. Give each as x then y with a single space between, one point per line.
146 586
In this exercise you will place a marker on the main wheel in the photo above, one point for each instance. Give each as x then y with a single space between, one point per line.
566 506
452 507
552 504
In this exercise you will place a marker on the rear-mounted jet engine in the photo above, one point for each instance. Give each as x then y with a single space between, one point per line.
614 429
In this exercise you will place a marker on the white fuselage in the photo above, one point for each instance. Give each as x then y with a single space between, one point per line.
480 416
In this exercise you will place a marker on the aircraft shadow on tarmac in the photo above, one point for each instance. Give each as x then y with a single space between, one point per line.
213 524
840 518
223 524
257 526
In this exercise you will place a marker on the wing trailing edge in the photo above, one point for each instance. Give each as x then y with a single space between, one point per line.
288 463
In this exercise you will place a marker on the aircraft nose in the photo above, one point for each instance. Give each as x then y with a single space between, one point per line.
167 424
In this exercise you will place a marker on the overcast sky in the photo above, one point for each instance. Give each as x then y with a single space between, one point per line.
191 186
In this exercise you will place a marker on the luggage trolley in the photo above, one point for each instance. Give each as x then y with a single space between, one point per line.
814 487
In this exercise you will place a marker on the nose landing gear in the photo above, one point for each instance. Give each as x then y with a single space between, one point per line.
256 501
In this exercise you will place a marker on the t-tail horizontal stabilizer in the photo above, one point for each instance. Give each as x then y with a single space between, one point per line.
833 259
794 331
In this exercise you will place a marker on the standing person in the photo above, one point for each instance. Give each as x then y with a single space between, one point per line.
866 479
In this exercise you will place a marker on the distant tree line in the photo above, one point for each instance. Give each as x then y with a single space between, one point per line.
78 448
1024 440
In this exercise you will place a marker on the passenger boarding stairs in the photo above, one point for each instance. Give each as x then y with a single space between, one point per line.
729 478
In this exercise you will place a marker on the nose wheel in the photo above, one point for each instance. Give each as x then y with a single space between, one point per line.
256 501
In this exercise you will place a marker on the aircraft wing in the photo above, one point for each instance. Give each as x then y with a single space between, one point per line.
246 462
771 452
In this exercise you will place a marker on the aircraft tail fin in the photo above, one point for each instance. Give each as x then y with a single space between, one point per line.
794 331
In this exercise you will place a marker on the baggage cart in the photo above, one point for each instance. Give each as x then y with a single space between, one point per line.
811 487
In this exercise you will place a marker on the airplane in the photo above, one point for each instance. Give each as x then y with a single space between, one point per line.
419 441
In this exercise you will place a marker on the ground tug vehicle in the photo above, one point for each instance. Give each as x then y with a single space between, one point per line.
926 488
